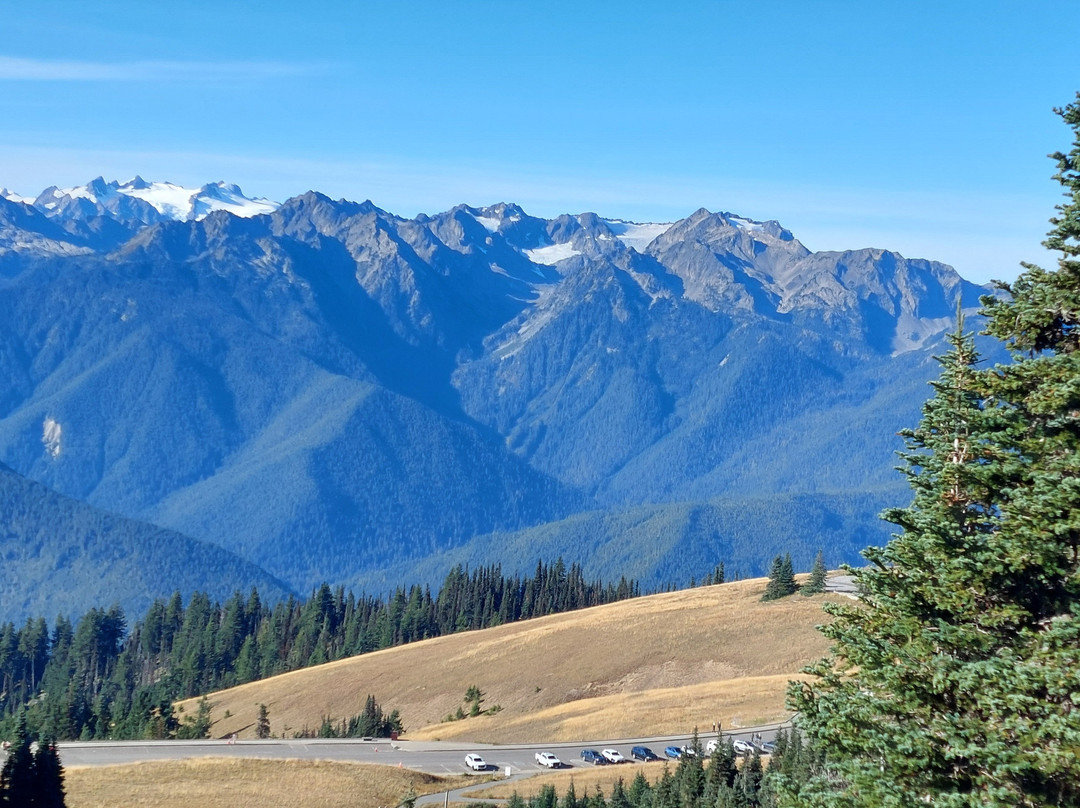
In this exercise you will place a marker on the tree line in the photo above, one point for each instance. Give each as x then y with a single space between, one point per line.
719 781
95 678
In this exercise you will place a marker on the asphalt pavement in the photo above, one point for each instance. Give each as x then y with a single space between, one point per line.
432 757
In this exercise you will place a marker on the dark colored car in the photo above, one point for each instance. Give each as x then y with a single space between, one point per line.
593 757
643 753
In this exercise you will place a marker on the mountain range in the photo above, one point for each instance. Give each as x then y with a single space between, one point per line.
332 392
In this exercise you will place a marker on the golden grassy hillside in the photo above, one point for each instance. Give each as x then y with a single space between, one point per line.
228 783
658 664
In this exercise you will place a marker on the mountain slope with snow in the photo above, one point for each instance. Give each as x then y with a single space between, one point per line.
335 392
146 202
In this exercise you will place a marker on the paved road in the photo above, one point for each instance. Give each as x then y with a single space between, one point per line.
433 757
844 584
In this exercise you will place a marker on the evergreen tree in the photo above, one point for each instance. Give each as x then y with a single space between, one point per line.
17 780
748 781
199 726
262 723
595 800
690 775
787 576
781 579
665 793
722 766
956 681
48 776
547 798
772 588
619 797
570 799
816 583
640 792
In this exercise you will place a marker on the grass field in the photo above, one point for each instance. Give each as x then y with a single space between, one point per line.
585 780
236 783
654 665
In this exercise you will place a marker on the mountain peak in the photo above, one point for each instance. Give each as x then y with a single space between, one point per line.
98 186
147 202
11 196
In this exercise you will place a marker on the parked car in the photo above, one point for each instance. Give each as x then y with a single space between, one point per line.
710 747
643 753
592 756
768 747
613 756
673 752
548 759
476 763
743 747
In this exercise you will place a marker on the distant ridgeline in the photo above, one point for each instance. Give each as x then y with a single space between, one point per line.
327 391
94 679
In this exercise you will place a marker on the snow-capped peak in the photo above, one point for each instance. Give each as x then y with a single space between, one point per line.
638 235
492 217
744 224
228 196
11 196
171 201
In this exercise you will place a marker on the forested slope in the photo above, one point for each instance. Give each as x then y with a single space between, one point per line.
61 556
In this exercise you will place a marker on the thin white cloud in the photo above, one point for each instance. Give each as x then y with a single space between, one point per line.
14 68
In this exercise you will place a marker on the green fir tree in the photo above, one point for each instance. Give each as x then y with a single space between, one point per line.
48 776
262 723
17 782
815 585
781 579
957 680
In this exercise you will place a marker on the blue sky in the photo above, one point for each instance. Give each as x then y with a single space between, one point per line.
919 127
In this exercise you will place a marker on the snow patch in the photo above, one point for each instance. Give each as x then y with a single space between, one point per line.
746 224
912 333
50 436
635 234
552 254
490 224
170 200
11 196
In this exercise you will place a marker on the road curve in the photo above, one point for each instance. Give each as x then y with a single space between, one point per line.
432 757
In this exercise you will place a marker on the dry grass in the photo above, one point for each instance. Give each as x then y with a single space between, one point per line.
229 783
585 781
659 664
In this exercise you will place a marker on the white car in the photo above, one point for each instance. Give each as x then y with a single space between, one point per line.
613 756
548 759
710 747
743 747
476 763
